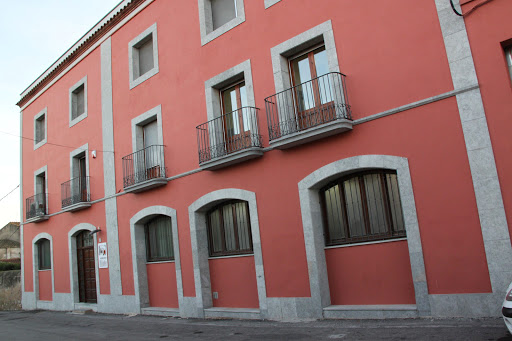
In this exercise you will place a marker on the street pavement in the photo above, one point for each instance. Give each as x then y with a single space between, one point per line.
46 325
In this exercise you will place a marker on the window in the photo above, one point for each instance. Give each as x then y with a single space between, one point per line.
362 207
43 254
79 182
143 56
229 229
159 244
508 54
78 102
40 197
40 125
217 17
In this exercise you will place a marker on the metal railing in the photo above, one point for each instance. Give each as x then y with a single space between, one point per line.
144 165
320 100
75 191
228 133
35 206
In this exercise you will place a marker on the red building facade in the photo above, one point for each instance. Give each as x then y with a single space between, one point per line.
221 159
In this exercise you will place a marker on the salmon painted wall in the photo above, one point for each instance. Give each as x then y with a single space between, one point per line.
490 30
234 279
370 274
162 287
45 285
383 58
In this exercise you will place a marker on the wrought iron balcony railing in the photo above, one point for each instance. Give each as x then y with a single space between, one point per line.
143 165
35 206
229 133
318 101
75 191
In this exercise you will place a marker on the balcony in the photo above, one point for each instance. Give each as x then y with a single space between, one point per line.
36 208
308 111
144 169
75 194
229 139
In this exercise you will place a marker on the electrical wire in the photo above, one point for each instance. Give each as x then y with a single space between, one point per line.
53 144
9 193
454 9
471 10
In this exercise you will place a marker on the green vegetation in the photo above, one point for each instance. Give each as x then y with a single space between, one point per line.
4 266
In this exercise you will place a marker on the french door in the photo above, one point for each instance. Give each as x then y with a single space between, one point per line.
312 88
237 127
86 267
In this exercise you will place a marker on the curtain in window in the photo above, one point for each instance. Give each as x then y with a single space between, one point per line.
159 243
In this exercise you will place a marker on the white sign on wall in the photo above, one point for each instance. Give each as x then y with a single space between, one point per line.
102 256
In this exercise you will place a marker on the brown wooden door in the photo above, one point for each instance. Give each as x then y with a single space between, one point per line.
86 268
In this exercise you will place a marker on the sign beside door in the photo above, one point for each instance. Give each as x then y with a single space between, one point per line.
102 256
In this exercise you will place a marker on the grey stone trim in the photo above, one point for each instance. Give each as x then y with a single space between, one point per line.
199 239
416 104
44 113
269 3
109 176
235 313
73 265
167 312
74 121
213 86
313 233
35 266
371 311
133 56
281 53
206 21
138 123
139 255
73 164
486 184
466 305
291 308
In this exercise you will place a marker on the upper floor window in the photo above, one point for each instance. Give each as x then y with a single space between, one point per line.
362 207
216 17
43 254
78 102
508 54
143 56
40 124
159 243
229 229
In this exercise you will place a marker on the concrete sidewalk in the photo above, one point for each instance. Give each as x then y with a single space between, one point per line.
46 325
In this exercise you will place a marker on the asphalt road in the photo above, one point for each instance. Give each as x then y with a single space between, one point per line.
45 325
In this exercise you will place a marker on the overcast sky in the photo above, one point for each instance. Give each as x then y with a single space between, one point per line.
35 33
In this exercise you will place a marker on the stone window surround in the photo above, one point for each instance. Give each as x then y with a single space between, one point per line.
44 113
281 53
220 81
42 170
35 262
133 56
199 240
73 121
73 158
139 254
138 123
269 3
73 262
313 233
206 22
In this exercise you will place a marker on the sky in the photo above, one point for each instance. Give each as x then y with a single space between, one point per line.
34 33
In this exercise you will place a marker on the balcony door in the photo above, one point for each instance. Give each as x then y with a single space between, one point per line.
237 128
82 179
151 157
312 88
40 199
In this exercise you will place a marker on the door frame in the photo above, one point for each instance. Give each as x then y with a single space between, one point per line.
73 263
83 249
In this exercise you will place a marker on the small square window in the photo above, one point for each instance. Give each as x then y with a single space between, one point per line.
143 56
217 17
78 102
40 125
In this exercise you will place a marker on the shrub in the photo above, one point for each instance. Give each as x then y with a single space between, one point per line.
9 266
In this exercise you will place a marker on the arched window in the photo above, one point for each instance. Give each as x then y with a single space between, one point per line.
159 244
229 229
362 207
43 254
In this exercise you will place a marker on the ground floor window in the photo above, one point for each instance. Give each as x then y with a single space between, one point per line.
159 244
362 207
43 253
229 229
